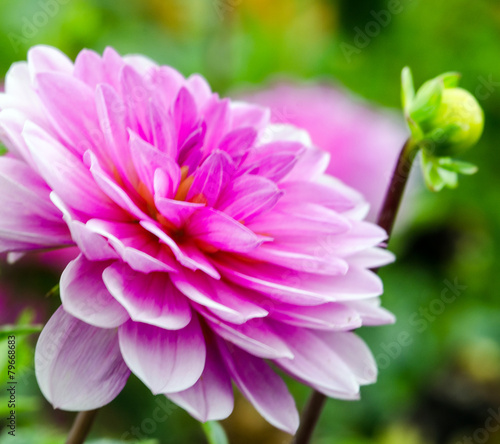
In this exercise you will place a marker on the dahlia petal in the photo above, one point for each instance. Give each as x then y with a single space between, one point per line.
85 296
78 367
142 64
165 360
230 303
163 131
12 123
18 82
135 246
330 316
275 253
185 115
75 119
42 58
175 211
248 196
297 287
92 245
314 360
247 114
166 181
194 286
148 298
112 190
354 352
66 175
254 336
211 177
199 89
187 254
371 312
147 159
190 154
274 160
291 222
211 397
113 64
111 112
238 142
371 258
222 232
310 166
136 94
29 220
218 120
262 387
167 83
316 193
89 68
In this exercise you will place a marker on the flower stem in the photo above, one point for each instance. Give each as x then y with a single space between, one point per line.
81 427
386 218
394 195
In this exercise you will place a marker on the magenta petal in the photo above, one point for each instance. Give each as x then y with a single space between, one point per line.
355 354
85 296
76 119
89 68
255 336
371 312
111 112
330 316
187 254
114 191
92 245
211 398
148 298
138 248
211 178
78 367
219 230
29 219
165 360
147 159
284 256
238 143
42 58
229 302
249 196
175 211
262 387
314 360
66 175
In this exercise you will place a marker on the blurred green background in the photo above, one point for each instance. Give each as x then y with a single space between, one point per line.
439 364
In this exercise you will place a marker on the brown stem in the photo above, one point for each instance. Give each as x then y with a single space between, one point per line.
81 427
386 218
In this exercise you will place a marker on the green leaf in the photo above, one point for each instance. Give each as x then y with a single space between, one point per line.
450 79
214 433
457 166
427 101
17 330
407 89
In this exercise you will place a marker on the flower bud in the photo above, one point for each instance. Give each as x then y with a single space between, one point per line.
457 123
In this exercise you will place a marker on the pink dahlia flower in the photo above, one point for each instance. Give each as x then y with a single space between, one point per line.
364 141
212 244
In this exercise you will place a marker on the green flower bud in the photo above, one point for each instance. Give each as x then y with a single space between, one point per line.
456 125
444 121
